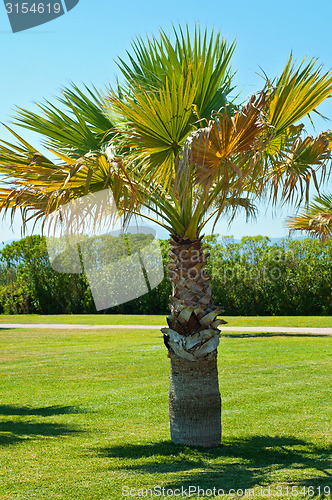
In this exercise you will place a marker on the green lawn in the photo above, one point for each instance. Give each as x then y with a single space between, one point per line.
84 414
131 319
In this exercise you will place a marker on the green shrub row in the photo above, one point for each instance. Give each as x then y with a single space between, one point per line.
252 277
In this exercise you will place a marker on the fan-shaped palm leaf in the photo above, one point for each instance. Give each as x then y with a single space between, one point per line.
35 183
199 56
225 143
157 123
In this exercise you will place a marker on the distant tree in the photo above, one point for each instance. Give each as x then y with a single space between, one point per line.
44 290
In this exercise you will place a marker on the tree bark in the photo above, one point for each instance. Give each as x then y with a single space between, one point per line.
194 402
192 339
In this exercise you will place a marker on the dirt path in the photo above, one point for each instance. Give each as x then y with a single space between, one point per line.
225 329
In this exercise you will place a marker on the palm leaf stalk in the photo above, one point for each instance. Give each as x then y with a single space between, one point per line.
175 148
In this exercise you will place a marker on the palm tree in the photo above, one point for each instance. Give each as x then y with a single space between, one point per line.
316 219
175 148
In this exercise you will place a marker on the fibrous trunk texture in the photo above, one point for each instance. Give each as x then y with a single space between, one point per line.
194 402
192 340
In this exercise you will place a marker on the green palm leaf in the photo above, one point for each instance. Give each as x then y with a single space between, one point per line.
157 123
205 59
296 93
79 125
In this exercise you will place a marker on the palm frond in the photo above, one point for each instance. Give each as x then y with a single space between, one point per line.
205 58
34 184
80 124
293 170
156 124
296 93
222 148
233 205
316 220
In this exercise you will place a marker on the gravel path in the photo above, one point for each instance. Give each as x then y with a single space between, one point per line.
225 329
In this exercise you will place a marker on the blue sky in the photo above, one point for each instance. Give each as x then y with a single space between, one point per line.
81 46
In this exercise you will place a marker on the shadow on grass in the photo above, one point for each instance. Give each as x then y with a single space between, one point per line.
13 432
272 334
47 411
16 431
238 464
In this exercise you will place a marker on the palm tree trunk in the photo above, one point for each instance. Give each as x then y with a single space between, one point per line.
192 340
194 402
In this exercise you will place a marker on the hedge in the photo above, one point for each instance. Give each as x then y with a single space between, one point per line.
251 277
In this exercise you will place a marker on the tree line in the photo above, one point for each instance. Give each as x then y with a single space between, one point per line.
251 277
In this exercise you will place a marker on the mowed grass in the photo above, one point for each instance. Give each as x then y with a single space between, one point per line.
136 319
84 414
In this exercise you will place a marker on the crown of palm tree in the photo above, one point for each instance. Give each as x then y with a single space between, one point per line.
169 140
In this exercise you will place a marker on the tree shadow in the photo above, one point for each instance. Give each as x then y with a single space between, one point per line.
47 411
271 334
12 432
16 431
238 464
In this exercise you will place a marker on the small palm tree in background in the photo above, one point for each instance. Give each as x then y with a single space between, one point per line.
175 148
316 219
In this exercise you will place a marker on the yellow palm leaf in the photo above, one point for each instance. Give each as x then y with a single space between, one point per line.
226 141
293 170
316 220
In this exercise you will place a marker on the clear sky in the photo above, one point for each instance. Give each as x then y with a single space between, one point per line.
81 47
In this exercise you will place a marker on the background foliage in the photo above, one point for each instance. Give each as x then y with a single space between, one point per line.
251 277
